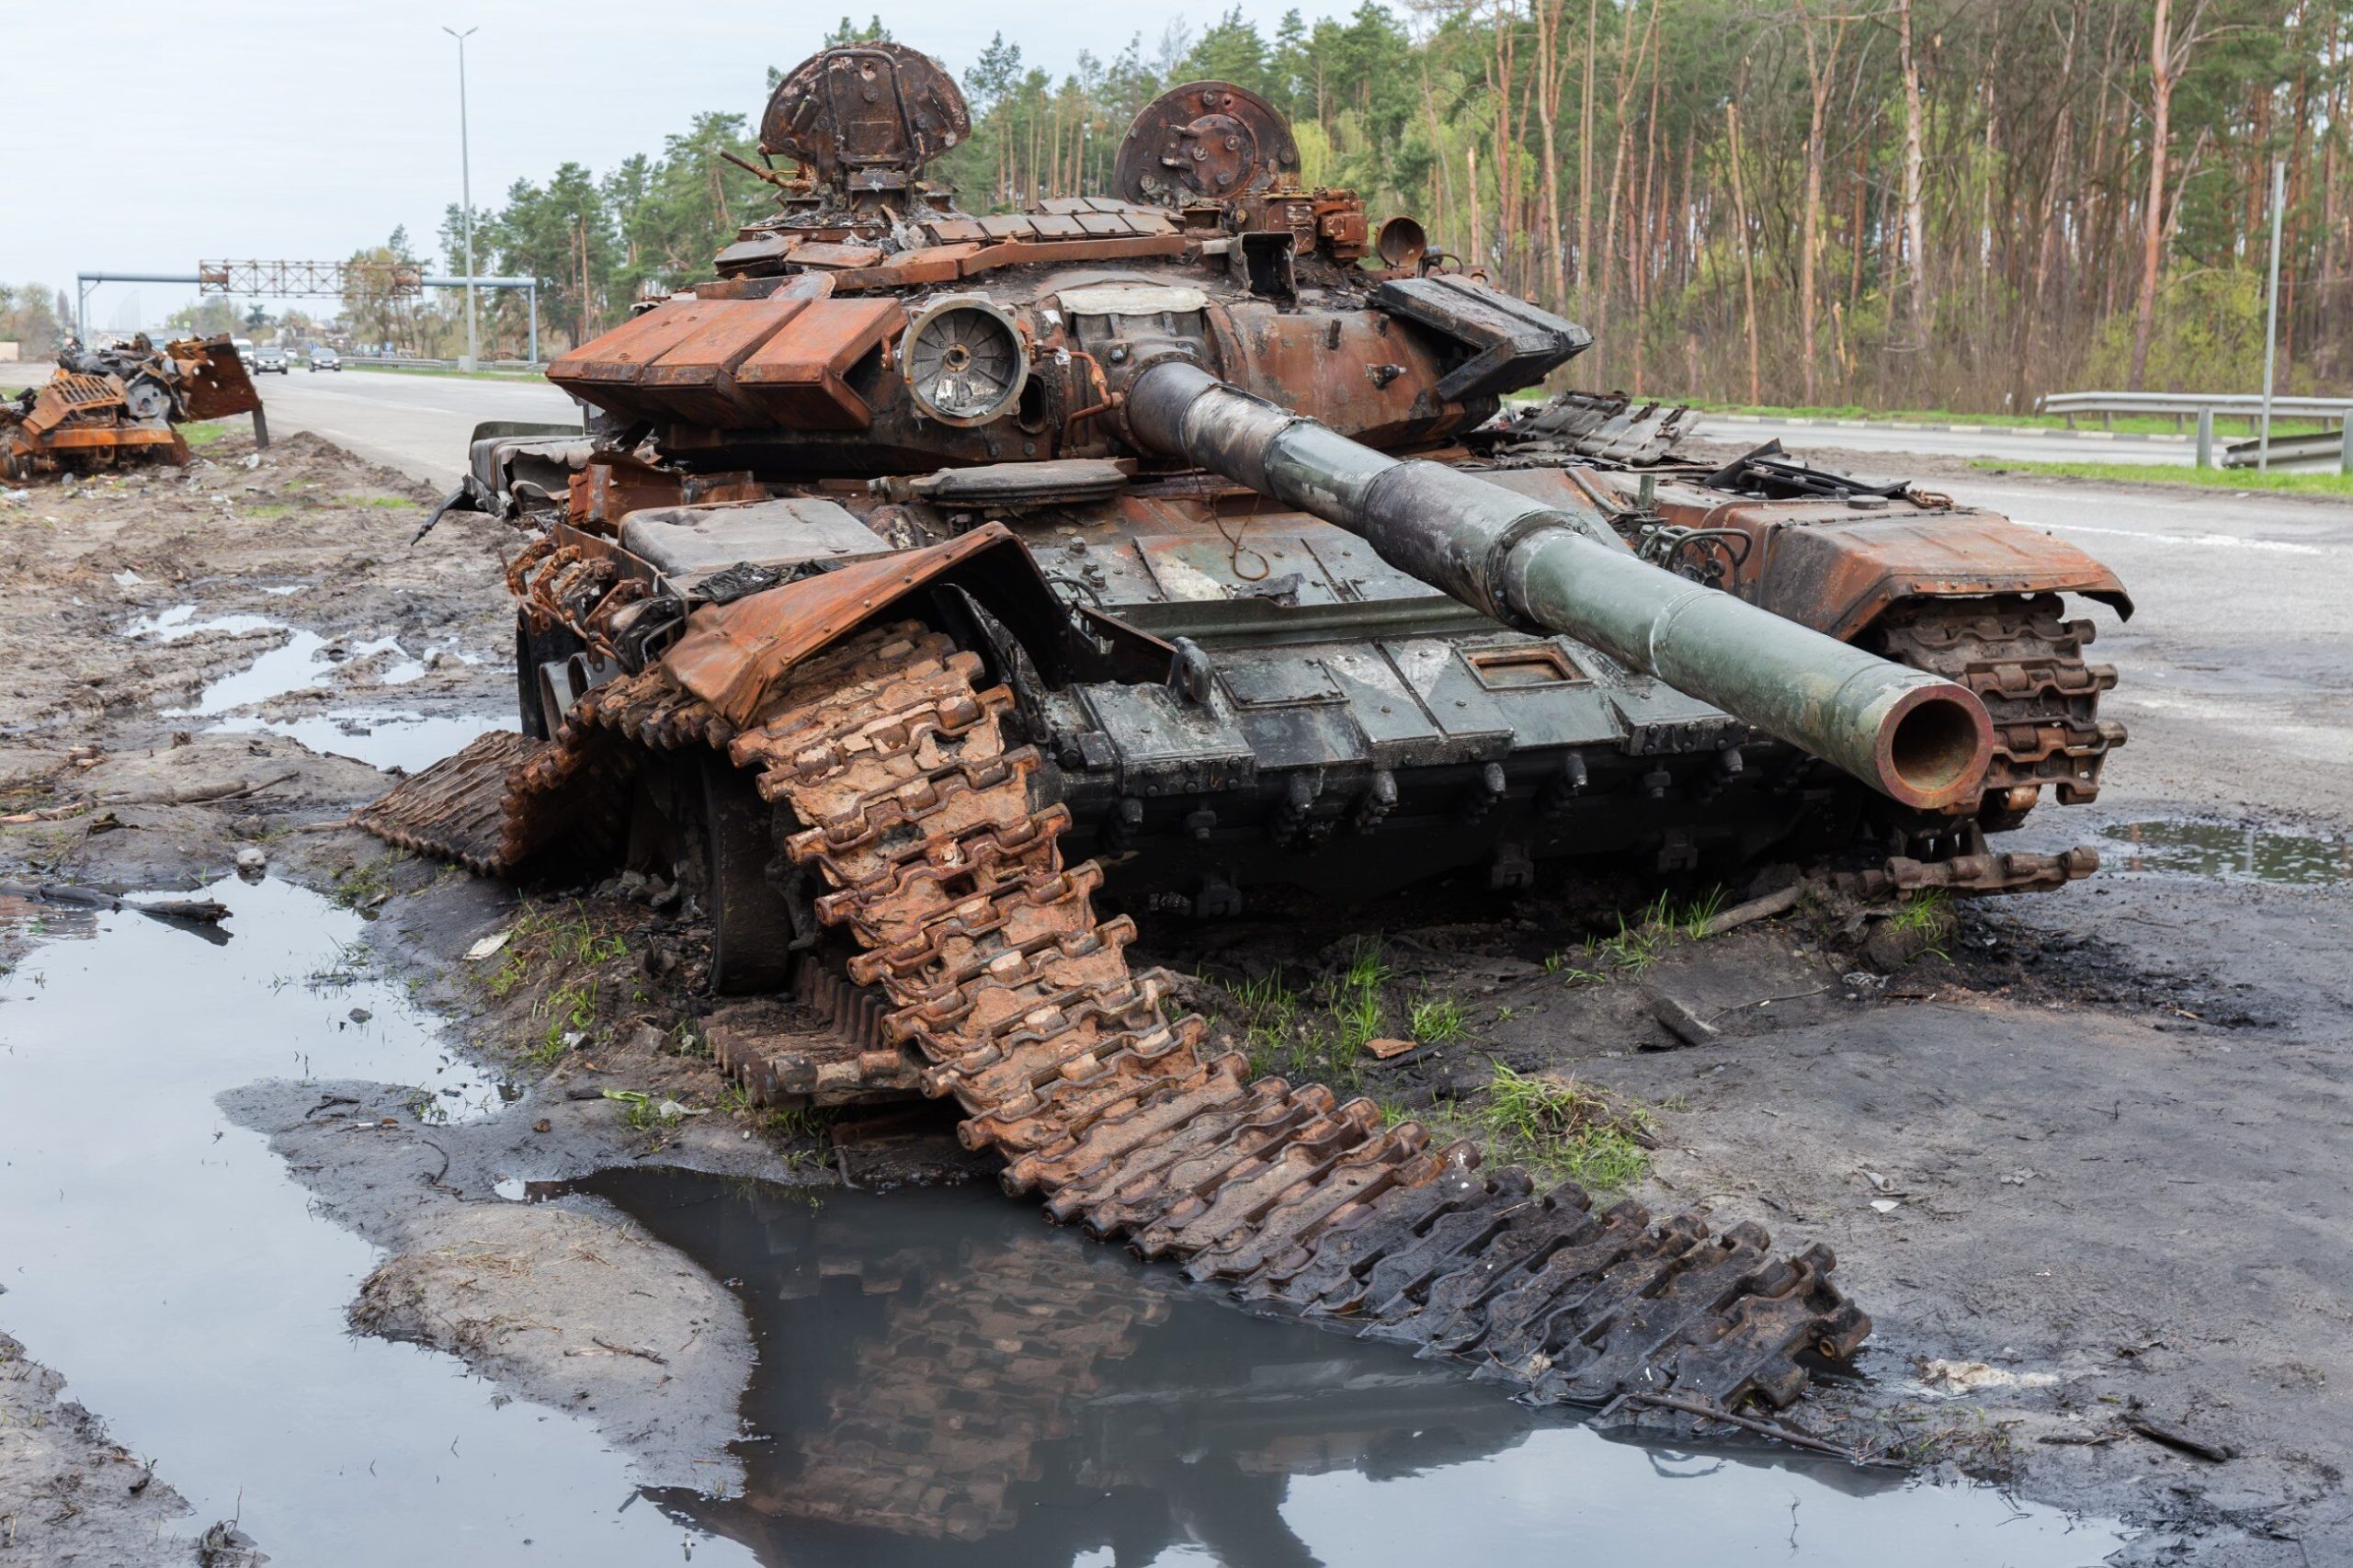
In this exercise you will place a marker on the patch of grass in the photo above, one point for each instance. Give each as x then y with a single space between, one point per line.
443 370
204 432
269 509
1965 1435
2313 483
1270 1019
571 1013
1437 1020
1691 920
349 966
642 1114
2142 423
365 884
553 935
379 502
1567 1129
1928 914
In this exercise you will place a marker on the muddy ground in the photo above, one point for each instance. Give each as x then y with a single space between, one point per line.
2077 1152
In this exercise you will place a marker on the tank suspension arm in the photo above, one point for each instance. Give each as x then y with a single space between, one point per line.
1916 738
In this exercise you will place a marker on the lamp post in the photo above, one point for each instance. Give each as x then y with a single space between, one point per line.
2271 316
466 188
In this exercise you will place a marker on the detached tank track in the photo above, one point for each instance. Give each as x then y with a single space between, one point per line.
934 1423
2026 662
1011 996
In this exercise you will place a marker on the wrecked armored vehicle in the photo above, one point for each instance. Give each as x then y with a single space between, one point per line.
121 403
920 554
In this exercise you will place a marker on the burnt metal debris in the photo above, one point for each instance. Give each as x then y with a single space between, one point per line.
922 565
122 403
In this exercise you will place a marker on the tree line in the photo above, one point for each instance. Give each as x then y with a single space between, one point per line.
1959 203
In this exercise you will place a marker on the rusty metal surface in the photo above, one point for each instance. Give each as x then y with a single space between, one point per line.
994 974
103 406
2025 661
457 808
214 383
998 986
1204 142
1837 565
860 114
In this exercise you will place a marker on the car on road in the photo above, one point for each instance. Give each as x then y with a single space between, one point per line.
322 357
268 356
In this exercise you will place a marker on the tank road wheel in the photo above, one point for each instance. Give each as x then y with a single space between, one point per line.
533 649
752 928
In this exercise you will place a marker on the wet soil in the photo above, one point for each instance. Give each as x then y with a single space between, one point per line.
2076 1150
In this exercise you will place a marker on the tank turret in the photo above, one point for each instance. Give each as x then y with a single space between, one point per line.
1915 737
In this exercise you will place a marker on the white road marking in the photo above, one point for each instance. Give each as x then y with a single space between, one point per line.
2230 541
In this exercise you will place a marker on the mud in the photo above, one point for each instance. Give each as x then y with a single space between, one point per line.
69 1493
2073 1150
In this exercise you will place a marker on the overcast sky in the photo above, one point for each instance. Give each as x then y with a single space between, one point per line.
144 136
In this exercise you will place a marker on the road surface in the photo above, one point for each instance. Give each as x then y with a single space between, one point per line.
416 423
2001 445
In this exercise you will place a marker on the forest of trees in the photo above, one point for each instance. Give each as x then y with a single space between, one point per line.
1957 203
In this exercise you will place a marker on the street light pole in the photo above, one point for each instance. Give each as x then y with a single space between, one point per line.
466 188
2271 315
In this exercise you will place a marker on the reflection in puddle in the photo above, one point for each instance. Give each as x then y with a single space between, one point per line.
2220 849
163 1260
40 919
306 660
386 738
945 1380
171 625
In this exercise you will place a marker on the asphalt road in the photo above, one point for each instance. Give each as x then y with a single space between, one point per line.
416 423
2013 446
2238 677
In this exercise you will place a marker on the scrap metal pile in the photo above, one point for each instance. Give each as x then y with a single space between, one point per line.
121 403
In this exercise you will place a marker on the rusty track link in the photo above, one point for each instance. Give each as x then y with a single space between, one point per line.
2026 662
1007 994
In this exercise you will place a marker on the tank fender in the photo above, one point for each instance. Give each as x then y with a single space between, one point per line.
1839 577
735 655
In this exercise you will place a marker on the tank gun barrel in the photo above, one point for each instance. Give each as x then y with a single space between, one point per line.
1916 738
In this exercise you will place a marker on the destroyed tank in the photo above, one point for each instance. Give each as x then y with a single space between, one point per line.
123 404
923 571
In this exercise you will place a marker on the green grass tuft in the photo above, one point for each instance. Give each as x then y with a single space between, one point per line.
2312 483
1438 1020
1567 1129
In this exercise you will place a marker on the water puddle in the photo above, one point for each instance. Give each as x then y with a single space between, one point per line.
385 738
382 737
2237 853
946 1380
179 621
162 1259
42 920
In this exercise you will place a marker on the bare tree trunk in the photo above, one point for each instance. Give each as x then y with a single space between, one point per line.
1471 167
1548 107
1748 268
1584 165
1627 76
1643 252
1915 221
1819 74
2152 220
